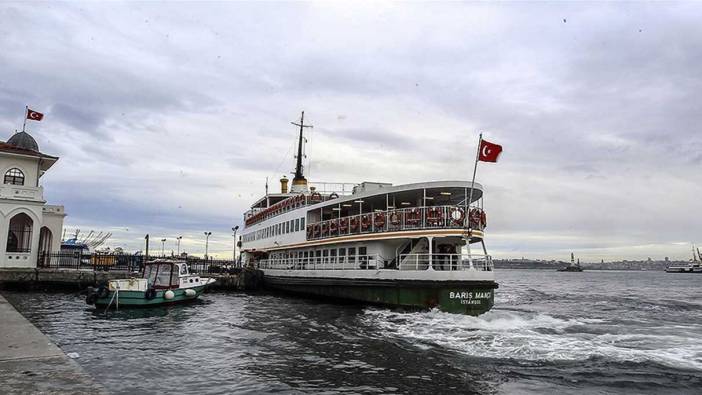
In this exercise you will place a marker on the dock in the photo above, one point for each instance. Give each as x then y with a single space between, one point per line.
30 363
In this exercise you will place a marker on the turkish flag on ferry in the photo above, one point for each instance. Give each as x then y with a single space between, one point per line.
489 152
34 115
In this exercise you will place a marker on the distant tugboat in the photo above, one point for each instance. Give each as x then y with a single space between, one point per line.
573 267
693 267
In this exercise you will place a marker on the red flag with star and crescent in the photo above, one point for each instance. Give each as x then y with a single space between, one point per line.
34 115
489 152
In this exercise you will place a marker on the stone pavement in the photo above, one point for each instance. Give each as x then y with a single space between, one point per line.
30 363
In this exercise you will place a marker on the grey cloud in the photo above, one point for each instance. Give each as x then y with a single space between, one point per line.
171 105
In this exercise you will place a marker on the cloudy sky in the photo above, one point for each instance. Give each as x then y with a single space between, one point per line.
168 117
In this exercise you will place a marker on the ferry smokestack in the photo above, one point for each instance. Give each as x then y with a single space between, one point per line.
284 185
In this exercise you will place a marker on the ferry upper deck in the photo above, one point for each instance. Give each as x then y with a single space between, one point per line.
368 210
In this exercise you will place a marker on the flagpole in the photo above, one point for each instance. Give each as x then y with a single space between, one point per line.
26 111
472 183
470 199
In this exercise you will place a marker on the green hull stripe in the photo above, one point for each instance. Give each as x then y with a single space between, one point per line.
463 297
136 298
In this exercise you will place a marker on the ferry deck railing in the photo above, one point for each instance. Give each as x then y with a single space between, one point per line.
446 262
441 262
411 218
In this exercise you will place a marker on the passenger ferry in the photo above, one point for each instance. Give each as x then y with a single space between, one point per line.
695 266
409 245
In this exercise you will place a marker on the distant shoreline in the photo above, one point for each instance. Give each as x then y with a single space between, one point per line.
553 265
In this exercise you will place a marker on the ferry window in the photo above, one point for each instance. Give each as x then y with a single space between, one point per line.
14 176
362 257
302 223
332 255
297 224
352 254
342 254
287 227
292 225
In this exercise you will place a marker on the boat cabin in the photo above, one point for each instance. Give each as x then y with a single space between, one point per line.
164 274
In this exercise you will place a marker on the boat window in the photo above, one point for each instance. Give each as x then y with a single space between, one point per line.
297 225
352 254
287 227
302 223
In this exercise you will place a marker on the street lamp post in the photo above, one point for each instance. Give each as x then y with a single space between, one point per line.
234 229
178 243
207 242
163 246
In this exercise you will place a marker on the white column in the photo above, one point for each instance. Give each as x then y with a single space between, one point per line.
470 256
431 240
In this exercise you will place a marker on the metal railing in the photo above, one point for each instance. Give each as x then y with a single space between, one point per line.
439 261
445 262
128 263
345 262
432 217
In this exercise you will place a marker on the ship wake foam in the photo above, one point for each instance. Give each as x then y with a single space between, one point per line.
532 336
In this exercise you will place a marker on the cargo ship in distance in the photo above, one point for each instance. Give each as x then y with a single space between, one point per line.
409 245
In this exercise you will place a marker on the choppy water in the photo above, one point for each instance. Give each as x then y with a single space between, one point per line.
550 332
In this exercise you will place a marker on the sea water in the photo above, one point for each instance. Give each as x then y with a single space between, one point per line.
550 332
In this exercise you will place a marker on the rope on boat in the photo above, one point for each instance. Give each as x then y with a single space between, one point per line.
115 295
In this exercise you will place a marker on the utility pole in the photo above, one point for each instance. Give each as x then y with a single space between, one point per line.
234 229
207 242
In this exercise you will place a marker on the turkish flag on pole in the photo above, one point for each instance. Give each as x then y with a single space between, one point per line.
489 152
34 115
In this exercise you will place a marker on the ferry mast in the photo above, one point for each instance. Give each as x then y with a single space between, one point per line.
299 183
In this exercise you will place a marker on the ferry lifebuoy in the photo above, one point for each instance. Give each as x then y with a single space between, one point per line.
474 218
379 219
457 216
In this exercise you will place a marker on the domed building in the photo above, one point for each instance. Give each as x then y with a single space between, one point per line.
30 229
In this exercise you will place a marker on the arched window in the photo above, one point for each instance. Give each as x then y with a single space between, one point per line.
19 237
14 176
